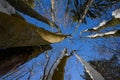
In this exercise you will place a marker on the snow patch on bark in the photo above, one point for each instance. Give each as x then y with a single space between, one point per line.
116 13
6 8
98 27
101 24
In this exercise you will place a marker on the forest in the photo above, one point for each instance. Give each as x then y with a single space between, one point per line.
59 39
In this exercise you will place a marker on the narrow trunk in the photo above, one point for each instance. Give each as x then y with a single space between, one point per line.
90 70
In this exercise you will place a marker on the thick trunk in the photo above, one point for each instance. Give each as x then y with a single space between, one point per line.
11 58
15 32
26 9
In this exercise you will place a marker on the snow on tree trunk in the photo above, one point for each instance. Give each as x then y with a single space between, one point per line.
98 27
89 69
115 33
116 13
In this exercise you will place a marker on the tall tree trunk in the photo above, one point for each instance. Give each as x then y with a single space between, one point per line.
90 70
11 58
26 9
15 32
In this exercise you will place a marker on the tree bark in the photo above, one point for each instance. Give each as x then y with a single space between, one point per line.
11 58
15 32
26 9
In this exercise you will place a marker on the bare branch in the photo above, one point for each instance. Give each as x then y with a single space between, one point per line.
46 65
53 10
88 4
31 72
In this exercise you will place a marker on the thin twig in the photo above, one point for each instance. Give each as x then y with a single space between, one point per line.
53 10
51 68
46 65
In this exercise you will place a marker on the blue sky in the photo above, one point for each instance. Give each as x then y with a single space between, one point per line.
83 45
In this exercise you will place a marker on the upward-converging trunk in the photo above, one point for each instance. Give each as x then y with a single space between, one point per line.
90 70
15 32
11 58
26 9
21 41
57 70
